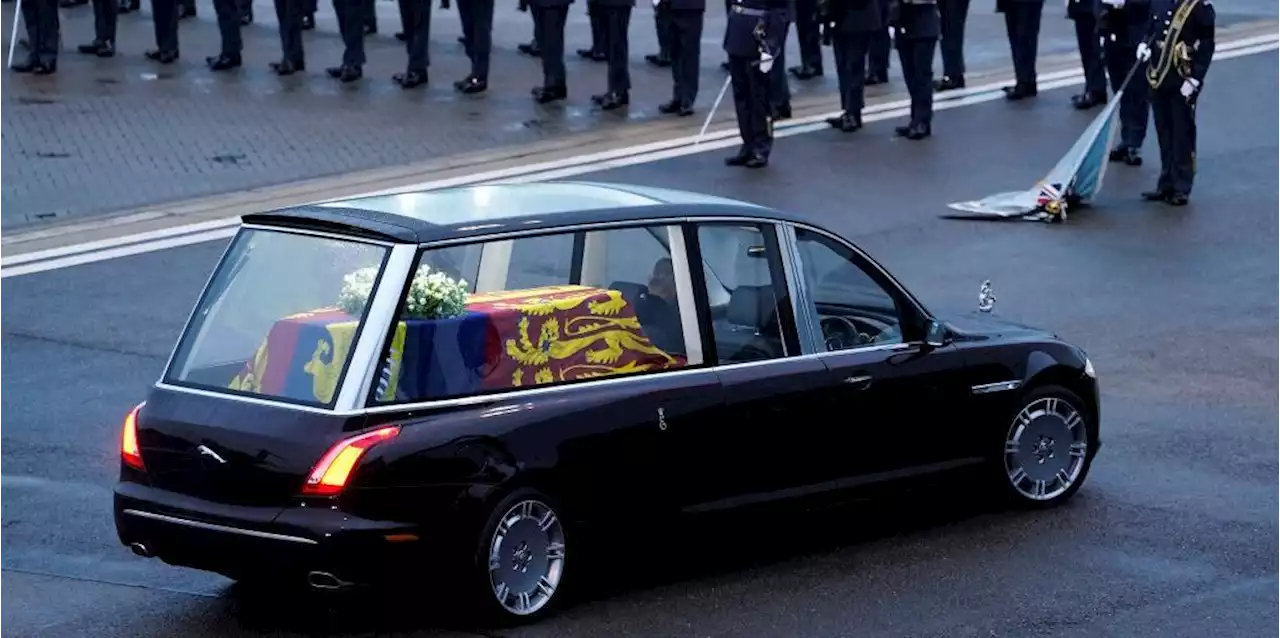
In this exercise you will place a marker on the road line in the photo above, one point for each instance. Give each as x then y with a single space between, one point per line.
184 235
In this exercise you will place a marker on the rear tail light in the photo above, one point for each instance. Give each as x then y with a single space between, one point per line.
331 473
130 453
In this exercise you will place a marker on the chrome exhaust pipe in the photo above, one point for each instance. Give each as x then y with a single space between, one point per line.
327 581
141 550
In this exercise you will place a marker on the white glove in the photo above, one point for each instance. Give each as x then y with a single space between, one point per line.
1144 52
1115 3
766 63
1189 87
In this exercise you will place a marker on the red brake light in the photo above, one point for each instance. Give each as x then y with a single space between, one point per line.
331 473
129 450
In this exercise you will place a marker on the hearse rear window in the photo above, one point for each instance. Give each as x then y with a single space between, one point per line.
280 317
541 310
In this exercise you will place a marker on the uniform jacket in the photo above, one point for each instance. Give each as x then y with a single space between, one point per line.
686 5
1003 5
615 3
914 21
856 16
749 17
550 3
1196 35
1128 22
1082 9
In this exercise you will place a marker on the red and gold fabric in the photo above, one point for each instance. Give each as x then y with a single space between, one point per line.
565 333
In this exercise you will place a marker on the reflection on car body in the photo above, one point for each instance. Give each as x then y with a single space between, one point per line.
364 382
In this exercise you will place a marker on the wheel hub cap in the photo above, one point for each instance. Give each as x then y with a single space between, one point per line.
526 557
1045 449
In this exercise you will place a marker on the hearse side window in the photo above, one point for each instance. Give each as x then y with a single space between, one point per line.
280 317
853 309
745 289
491 316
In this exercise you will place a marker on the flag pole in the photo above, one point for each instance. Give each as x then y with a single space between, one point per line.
13 34
710 114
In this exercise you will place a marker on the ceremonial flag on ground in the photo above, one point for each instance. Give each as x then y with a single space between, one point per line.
1076 178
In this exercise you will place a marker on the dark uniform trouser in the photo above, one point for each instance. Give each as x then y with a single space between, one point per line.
686 53
164 17
878 52
1095 80
916 57
228 12
477 29
1134 104
1022 22
616 22
953 14
664 30
807 34
850 51
351 21
417 34
1175 121
751 102
289 15
105 13
43 27
595 16
779 87
369 11
549 33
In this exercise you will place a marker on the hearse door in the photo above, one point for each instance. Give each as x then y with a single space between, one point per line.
763 443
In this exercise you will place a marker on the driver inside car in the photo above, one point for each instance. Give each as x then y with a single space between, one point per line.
658 311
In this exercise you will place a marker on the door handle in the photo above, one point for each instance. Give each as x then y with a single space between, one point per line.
858 381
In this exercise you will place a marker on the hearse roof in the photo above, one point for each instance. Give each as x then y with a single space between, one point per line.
458 213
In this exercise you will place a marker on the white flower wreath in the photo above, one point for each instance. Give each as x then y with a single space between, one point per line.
432 295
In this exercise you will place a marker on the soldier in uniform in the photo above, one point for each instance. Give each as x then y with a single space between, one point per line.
597 51
1022 23
417 18
685 20
953 14
1182 37
43 35
477 39
850 26
779 87
916 26
617 19
289 14
753 39
663 28
1084 13
1122 24
878 55
351 26
810 39
228 14
164 17
549 17
105 13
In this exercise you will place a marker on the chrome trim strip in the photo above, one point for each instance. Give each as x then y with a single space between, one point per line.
319 233
999 386
355 385
219 528
687 300
252 400
801 308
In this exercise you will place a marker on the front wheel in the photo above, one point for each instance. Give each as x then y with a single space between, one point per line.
1048 448
520 561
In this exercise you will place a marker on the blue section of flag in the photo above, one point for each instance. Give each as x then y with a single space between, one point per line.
443 357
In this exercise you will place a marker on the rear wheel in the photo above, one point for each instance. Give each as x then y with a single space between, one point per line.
519 565
1048 448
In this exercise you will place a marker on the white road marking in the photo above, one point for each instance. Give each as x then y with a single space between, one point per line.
150 241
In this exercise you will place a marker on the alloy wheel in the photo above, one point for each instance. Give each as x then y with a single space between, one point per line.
526 557
1045 450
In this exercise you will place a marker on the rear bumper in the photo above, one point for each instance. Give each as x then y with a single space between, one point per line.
241 542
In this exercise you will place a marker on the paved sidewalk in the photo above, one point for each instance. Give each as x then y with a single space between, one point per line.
124 134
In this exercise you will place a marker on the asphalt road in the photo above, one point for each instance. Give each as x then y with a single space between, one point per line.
1175 533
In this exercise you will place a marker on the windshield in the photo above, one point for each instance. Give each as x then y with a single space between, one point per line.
280 317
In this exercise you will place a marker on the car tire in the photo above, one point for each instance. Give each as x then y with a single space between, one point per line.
1047 447
518 568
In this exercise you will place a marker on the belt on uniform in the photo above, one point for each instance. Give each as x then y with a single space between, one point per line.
746 11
